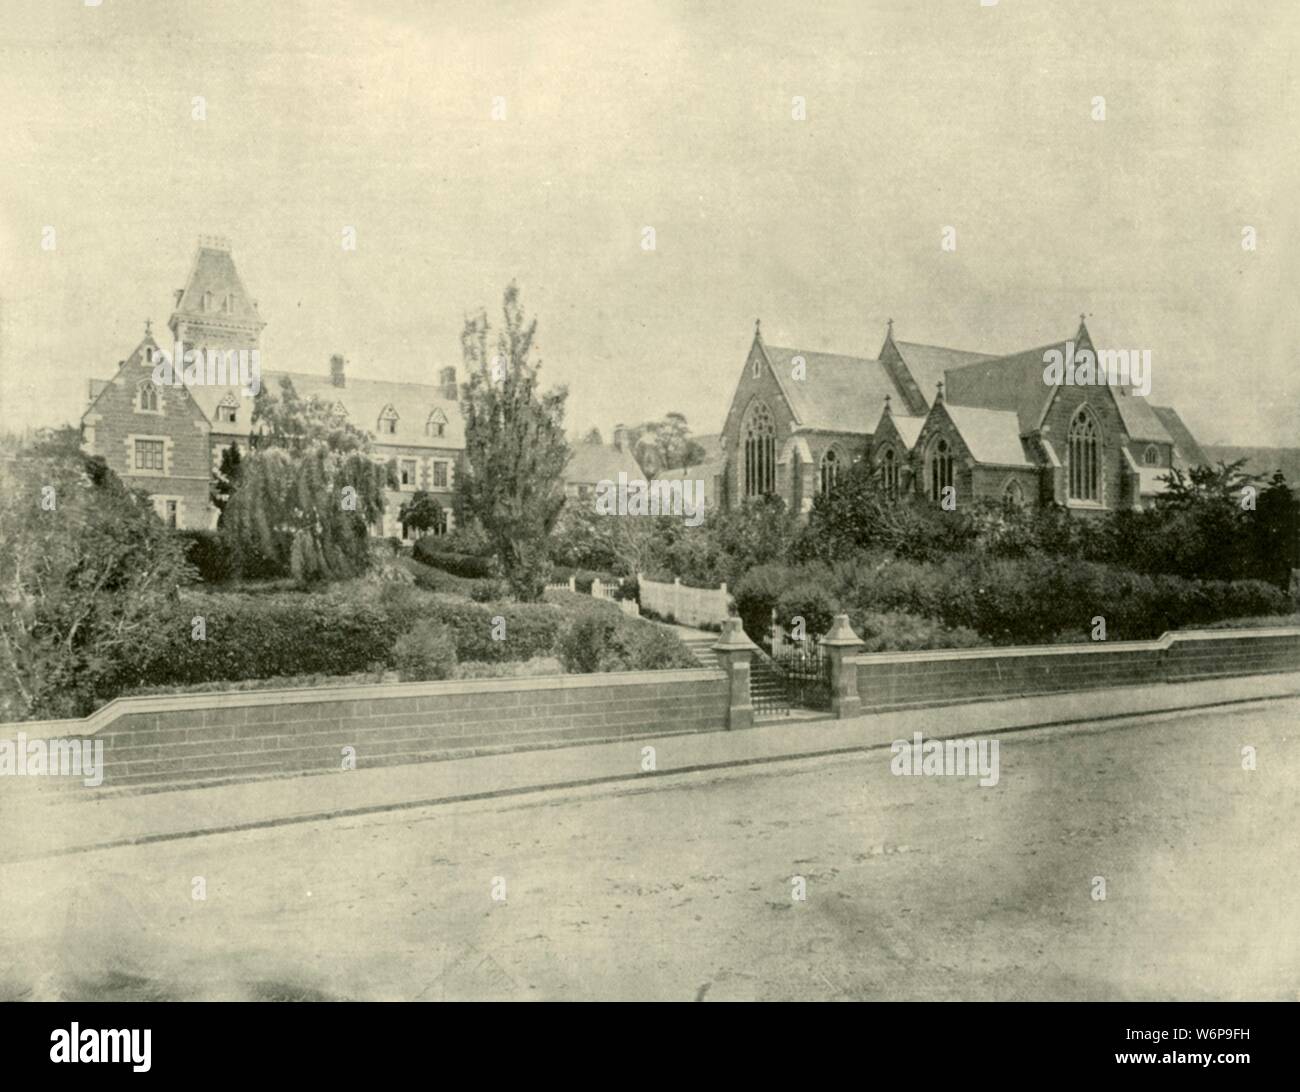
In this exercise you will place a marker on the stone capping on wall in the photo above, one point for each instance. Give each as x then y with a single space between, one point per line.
231 699
1167 640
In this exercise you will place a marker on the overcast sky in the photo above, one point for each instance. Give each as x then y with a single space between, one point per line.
377 114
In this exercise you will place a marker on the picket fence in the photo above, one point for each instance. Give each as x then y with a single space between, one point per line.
686 605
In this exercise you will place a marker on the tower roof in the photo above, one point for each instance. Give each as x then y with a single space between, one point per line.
214 293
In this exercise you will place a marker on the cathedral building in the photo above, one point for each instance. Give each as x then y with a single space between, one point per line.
945 422
168 439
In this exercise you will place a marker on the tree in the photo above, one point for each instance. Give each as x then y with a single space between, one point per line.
422 513
665 443
86 568
307 494
593 436
515 450
225 479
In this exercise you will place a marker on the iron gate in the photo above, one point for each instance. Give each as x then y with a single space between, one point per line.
805 672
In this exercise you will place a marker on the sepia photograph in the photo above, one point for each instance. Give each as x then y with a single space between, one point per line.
649 501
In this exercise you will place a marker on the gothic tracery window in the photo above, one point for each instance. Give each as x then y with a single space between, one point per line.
829 471
889 471
940 468
1084 458
760 452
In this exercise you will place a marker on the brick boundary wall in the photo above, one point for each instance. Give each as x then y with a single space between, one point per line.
188 739
901 680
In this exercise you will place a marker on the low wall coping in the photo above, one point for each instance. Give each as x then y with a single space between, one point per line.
233 699
1168 639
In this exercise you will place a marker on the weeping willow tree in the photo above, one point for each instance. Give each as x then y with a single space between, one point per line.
307 495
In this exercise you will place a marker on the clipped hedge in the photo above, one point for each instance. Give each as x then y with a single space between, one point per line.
474 566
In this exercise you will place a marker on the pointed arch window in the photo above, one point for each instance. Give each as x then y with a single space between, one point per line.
889 471
1151 456
760 452
1084 458
147 398
829 471
940 468
388 422
1014 494
436 425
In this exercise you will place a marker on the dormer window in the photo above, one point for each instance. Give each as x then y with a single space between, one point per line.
436 425
147 398
388 422
228 411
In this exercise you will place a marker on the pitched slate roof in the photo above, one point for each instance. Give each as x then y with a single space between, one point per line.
1140 419
909 428
364 400
839 392
1012 383
1186 448
992 435
1260 460
592 463
928 363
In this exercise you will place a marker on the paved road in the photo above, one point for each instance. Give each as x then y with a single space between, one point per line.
921 887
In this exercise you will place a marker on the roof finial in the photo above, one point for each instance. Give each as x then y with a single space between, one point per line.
889 327
888 411
939 394
757 324
148 327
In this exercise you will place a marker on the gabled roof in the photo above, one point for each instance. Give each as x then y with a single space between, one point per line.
1140 419
909 428
838 393
993 436
1187 452
592 463
928 363
363 399
1013 383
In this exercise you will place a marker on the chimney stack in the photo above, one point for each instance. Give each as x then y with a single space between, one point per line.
620 437
336 370
447 381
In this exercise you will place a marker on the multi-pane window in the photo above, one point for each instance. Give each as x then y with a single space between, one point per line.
227 412
889 471
760 453
830 469
440 475
388 422
940 469
149 455
406 471
436 425
1151 456
148 398
1084 459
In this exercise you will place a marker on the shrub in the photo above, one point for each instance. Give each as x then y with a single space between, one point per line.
426 651
608 641
896 631
810 601
211 557
428 551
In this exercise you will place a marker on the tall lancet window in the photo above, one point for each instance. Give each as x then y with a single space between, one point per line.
760 452
940 468
830 470
889 471
1084 458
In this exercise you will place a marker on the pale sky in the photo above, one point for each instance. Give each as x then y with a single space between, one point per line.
377 114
